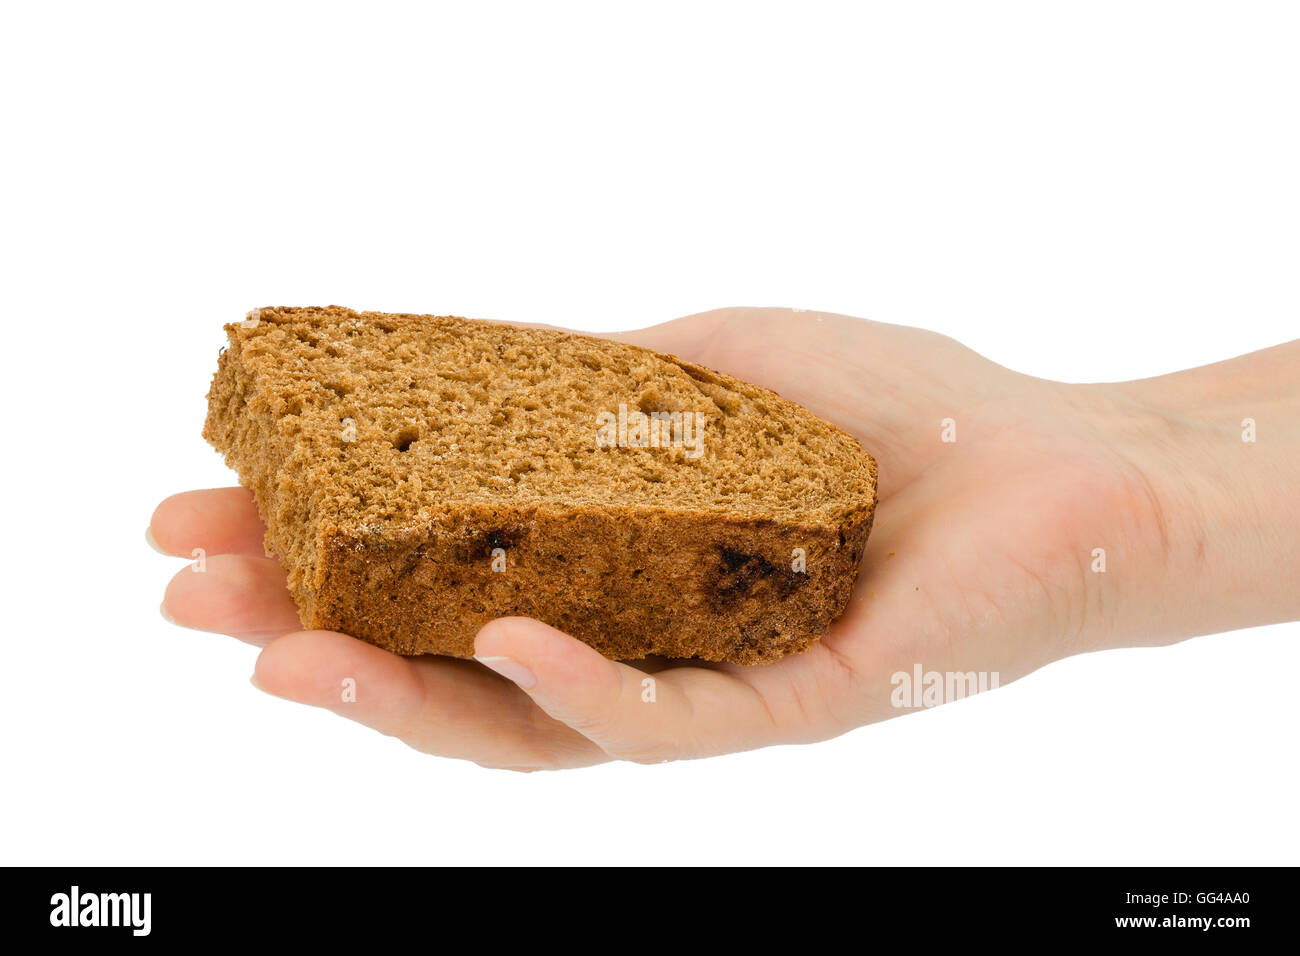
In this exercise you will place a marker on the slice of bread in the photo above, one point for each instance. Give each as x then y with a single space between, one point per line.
422 475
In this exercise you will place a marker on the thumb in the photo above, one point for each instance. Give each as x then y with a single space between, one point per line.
631 715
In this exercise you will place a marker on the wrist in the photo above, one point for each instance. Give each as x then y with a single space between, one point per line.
1214 454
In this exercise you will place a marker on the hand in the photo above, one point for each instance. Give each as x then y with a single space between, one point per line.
984 557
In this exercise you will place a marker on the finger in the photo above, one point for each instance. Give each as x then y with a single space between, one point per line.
231 594
688 337
676 714
218 520
441 706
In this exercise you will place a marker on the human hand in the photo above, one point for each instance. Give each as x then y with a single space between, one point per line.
983 558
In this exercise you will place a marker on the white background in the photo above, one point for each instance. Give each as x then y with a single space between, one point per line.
1084 191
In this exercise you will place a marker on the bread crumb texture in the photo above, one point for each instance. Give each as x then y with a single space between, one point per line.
421 475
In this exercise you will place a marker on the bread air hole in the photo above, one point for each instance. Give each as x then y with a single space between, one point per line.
406 438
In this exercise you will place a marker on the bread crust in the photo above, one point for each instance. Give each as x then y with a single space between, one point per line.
630 584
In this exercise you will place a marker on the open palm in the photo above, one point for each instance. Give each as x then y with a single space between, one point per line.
995 489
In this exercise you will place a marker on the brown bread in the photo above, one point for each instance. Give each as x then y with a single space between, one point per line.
421 475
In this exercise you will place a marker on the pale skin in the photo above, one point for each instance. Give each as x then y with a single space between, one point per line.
984 555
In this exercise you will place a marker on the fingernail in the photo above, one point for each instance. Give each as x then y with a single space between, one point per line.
148 536
510 670
252 679
166 617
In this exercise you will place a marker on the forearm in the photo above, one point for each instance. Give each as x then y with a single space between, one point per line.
1219 451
